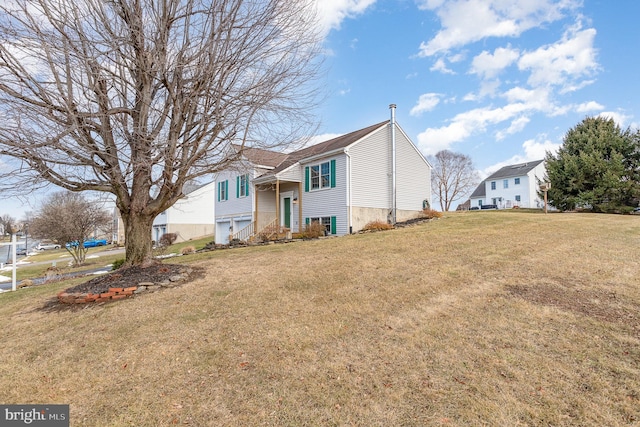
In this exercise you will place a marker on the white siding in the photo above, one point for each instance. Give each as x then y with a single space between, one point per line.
413 175
505 198
196 208
329 201
190 217
371 171
233 205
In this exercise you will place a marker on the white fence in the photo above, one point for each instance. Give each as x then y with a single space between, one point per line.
12 251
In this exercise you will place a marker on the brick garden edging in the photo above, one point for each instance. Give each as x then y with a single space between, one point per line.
115 294
81 298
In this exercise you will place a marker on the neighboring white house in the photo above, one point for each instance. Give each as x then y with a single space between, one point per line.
375 173
513 185
191 217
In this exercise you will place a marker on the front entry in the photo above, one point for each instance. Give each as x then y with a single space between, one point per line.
286 209
287 212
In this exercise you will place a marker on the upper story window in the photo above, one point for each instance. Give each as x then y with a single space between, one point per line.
242 185
516 181
493 185
223 190
321 175
505 183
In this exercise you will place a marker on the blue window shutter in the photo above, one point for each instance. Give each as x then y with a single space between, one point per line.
226 189
218 191
333 221
237 187
306 221
306 180
333 174
246 185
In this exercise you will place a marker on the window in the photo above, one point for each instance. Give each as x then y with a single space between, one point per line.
493 185
480 203
223 190
242 186
517 198
516 181
322 175
505 183
329 223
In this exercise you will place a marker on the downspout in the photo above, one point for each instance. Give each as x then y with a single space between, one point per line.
392 107
349 212
255 210
278 204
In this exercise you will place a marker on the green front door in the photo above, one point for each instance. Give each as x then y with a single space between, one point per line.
287 212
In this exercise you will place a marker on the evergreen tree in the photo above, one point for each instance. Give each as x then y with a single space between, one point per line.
597 168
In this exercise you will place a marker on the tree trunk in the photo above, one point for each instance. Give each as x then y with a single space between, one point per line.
138 243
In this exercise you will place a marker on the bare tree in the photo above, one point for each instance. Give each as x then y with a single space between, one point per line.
67 217
137 97
452 177
9 224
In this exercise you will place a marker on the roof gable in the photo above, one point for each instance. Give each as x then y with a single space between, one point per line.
328 146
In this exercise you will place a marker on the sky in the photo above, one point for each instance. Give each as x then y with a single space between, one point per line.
501 81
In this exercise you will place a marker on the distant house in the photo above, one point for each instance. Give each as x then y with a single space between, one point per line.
372 174
510 186
191 217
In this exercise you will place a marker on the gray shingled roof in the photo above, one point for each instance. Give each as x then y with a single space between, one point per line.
262 157
514 170
480 191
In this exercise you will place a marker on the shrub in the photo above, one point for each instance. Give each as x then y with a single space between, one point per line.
313 230
188 250
431 213
377 226
167 239
117 264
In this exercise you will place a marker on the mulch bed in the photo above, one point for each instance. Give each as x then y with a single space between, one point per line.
128 276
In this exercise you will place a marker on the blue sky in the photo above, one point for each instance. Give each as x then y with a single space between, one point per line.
499 80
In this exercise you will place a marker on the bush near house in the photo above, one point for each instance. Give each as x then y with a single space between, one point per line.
313 230
377 226
431 213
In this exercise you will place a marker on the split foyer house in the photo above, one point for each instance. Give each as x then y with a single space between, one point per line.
375 173
510 186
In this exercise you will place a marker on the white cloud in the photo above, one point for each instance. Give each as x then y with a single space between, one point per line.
586 107
533 150
466 124
467 21
621 119
441 66
517 125
331 13
489 65
426 102
564 63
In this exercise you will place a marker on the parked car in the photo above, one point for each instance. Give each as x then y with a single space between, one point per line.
21 251
91 243
43 246
636 211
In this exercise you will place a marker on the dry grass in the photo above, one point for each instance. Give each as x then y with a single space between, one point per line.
479 318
